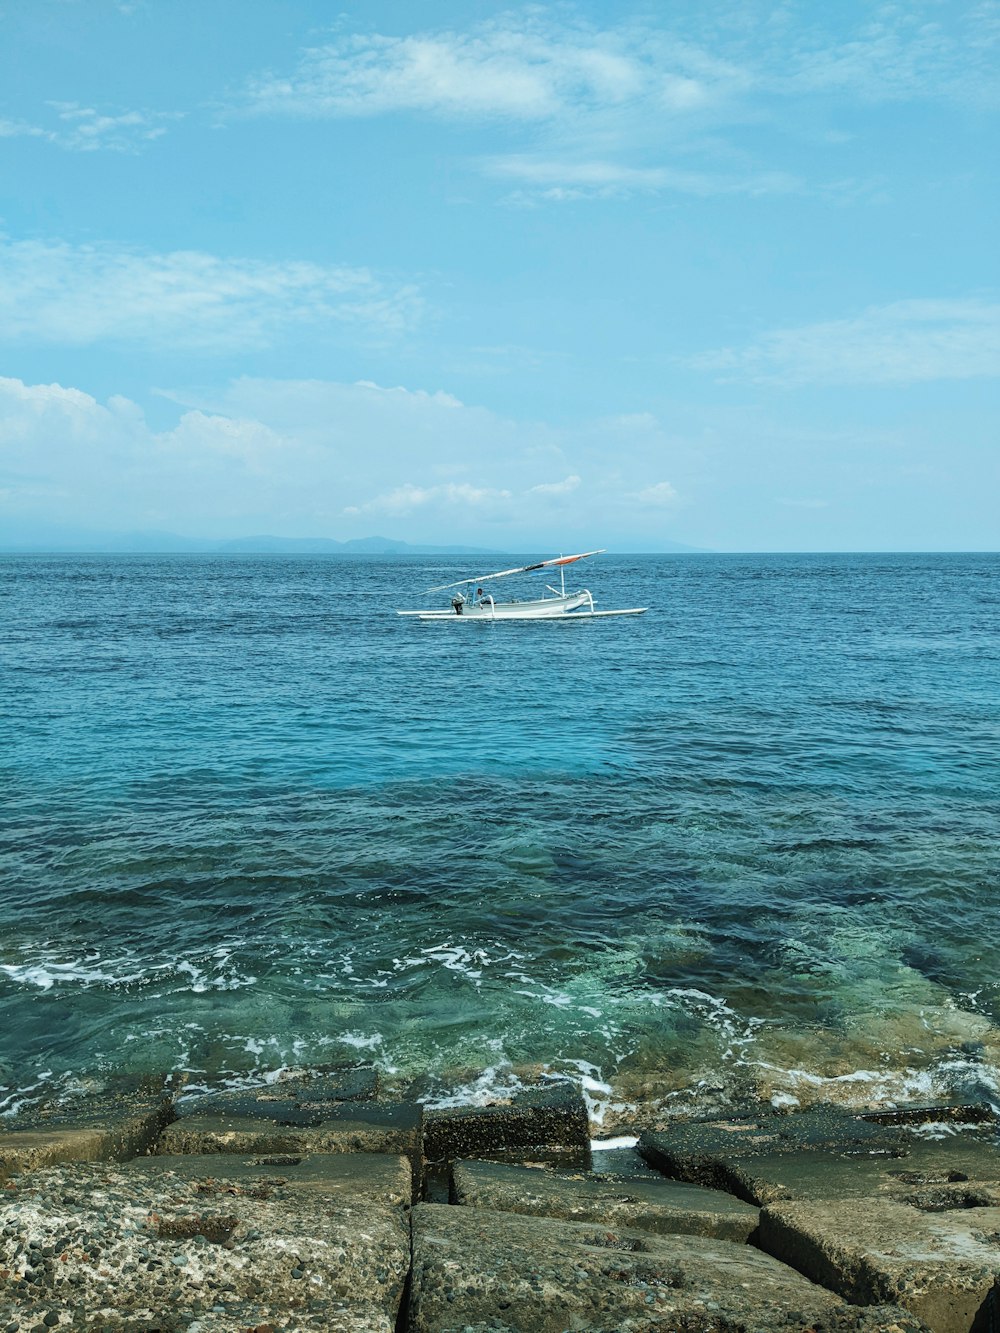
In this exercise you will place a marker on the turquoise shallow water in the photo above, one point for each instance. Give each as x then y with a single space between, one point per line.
743 846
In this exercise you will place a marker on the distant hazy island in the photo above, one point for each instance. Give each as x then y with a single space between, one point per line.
169 543
65 541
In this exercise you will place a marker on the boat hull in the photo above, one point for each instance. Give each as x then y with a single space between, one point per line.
561 605
444 616
512 613
541 608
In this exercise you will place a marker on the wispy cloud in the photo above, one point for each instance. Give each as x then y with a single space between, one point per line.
16 129
522 69
660 493
575 179
55 292
901 343
533 65
88 130
606 110
899 53
491 502
565 487
571 87
408 498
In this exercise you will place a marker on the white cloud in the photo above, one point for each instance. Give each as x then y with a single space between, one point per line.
55 292
408 498
438 397
88 130
683 94
315 458
901 343
575 179
579 89
657 495
533 65
899 53
14 129
591 174
594 111
522 69
85 129
565 487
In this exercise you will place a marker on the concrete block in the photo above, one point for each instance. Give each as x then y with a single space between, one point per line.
661 1206
553 1116
480 1269
830 1156
101 1132
941 1266
378 1178
222 1243
343 1127
306 1095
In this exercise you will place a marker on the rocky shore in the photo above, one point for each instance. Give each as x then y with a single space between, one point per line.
315 1203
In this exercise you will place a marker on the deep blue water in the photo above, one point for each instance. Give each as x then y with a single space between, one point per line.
743 846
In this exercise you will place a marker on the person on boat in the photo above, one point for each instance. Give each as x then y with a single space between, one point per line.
482 598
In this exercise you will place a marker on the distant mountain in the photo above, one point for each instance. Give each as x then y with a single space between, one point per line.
27 538
55 539
326 545
675 548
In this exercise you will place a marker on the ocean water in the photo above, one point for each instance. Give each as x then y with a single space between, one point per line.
743 847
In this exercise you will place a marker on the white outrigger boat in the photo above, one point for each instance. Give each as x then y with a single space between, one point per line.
558 605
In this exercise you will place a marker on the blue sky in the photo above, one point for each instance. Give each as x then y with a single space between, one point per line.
522 277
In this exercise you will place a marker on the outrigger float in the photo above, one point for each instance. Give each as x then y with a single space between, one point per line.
559 605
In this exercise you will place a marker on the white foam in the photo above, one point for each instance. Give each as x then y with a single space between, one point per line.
496 1083
360 1042
606 1145
784 1101
47 974
47 970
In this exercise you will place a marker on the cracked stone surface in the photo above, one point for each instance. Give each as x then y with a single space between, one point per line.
942 1265
471 1265
664 1206
220 1243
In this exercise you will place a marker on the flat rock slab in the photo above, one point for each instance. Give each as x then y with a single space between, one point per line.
932 1176
103 1132
127 1247
472 1267
763 1162
370 1177
665 1207
553 1116
305 1098
942 1265
323 1317
343 1127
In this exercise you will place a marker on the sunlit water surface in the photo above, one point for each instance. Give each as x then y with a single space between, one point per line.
744 846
